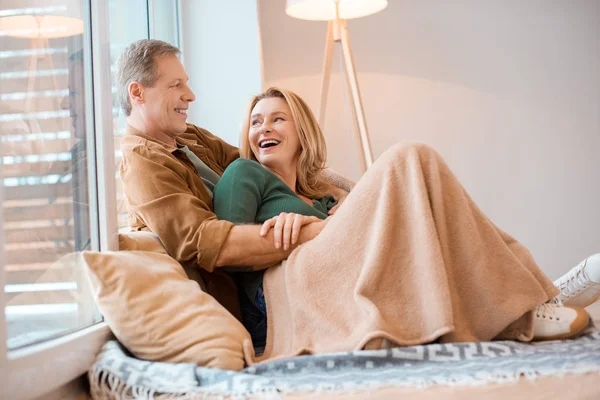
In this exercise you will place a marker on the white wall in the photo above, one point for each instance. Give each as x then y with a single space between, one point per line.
221 53
507 91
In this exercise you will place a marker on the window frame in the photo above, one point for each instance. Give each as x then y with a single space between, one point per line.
53 363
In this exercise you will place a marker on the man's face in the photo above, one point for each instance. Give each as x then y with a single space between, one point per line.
75 102
164 106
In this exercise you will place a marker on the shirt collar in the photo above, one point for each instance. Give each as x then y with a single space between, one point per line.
131 131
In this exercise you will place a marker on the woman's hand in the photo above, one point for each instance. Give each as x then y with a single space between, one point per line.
286 228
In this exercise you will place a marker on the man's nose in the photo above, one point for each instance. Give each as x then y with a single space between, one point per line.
64 103
189 95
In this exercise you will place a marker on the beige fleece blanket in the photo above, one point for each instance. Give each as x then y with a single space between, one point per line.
408 257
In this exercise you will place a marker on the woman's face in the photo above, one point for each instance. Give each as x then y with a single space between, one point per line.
273 136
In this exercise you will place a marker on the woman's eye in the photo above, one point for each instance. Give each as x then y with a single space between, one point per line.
278 119
255 122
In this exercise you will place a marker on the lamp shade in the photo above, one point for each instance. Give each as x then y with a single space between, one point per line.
324 10
42 18
40 26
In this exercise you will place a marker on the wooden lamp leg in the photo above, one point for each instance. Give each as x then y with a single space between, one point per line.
359 115
326 73
337 31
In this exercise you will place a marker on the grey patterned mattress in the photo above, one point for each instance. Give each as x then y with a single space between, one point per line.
118 375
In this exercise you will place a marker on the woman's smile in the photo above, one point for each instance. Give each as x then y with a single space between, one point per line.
267 144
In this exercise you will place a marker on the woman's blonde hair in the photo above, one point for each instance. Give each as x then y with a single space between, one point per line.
313 150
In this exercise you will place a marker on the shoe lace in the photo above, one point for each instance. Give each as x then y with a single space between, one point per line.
574 282
558 302
548 310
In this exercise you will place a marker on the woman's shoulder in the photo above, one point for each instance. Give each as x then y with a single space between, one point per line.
244 166
245 169
244 163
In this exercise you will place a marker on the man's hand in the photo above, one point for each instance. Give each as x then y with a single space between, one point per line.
286 228
339 203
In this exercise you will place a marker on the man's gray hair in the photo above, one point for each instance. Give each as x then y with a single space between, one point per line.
138 64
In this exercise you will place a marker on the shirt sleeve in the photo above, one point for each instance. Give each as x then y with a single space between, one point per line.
184 223
238 194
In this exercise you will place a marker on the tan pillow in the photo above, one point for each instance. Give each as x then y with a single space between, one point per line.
141 240
149 241
159 314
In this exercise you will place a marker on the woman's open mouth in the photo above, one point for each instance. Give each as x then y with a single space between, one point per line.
267 144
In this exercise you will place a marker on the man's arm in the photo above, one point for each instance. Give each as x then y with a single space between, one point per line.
244 246
237 198
342 184
158 194
340 187
184 223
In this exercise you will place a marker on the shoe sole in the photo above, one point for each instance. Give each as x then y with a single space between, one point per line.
574 303
581 322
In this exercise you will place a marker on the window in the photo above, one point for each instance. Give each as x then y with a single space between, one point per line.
45 146
57 168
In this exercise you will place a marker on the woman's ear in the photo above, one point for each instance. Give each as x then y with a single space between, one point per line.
136 92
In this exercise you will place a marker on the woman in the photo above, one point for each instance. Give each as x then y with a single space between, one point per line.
249 192
409 258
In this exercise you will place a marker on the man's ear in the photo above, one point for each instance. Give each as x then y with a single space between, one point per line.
136 92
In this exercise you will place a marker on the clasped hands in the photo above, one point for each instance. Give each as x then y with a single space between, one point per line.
287 226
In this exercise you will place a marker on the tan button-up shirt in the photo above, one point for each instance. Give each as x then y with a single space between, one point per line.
165 195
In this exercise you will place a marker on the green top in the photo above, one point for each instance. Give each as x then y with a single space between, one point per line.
249 193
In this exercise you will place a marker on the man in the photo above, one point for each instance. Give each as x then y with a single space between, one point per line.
170 167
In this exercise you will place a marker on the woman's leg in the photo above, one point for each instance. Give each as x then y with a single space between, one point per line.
408 257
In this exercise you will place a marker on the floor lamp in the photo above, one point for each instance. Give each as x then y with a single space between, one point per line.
337 12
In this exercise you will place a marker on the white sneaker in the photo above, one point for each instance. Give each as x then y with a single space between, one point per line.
553 321
580 287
